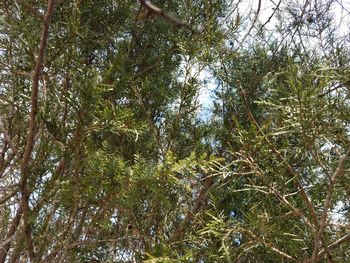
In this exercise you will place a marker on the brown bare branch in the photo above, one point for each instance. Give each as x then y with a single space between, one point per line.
197 206
31 130
154 10
292 172
327 205
5 246
339 86
272 15
334 245
279 156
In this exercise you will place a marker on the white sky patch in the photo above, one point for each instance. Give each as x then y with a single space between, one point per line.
207 83
339 8
205 95
266 16
336 215
341 11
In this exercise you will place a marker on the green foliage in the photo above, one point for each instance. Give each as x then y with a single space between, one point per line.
124 169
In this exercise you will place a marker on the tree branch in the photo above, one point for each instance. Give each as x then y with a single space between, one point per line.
327 205
272 15
253 23
5 246
197 206
272 147
341 85
154 10
8 138
290 169
31 130
334 245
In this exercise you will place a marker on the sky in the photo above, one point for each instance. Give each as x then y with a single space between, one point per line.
340 10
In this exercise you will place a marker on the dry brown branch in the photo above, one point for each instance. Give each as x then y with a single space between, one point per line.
268 245
334 245
327 205
292 172
197 206
31 130
280 158
5 246
154 10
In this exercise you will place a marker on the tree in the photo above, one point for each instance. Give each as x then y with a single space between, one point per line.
105 158
281 120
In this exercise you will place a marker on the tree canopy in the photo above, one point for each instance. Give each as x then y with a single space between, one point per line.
174 131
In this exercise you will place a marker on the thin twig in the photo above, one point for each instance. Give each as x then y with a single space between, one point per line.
272 15
7 138
253 24
341 85
31 9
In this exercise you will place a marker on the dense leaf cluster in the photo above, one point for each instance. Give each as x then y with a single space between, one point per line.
105 155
